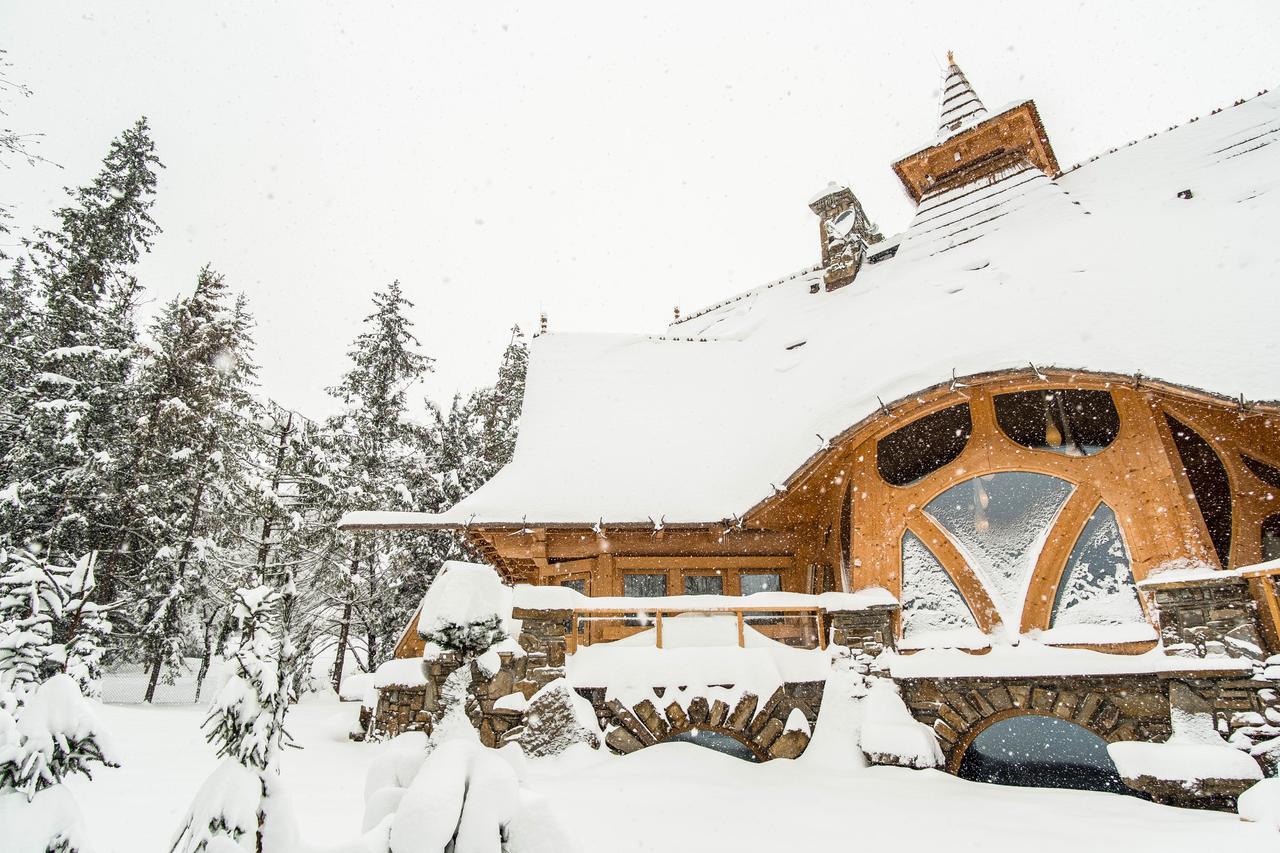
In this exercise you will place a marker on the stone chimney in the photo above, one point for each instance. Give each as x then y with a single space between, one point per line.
844 232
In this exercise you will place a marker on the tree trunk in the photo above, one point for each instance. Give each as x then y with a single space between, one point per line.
344 627
157 664
207 656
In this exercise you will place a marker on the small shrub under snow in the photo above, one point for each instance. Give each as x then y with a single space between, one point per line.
465 610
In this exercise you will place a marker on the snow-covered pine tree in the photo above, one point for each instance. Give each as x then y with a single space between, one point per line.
14 145
48 731
193 394
72 413
267 529
17 357
240 807
478 435
374 454
500 408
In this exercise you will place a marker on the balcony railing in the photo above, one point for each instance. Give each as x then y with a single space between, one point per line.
794 626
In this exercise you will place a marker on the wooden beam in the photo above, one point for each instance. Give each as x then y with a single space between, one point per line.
728 561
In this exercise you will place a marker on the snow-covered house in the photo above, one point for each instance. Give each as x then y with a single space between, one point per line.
1046 404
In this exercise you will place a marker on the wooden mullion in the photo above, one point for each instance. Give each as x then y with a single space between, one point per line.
971 587
1037 609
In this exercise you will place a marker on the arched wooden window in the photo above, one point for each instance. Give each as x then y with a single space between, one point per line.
923 446
1209 485
932 607
1261 470
999 522
1097 585
1070 421
1271 538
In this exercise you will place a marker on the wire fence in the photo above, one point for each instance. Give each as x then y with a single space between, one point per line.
126 684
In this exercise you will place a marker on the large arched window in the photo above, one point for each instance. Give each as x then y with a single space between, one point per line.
933 610
1210 485
923 446
999 522
1068 421
1097 584
987 540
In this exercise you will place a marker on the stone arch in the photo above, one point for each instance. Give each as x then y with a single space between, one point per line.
738 736
741 715
1041 750
1115 708
955 757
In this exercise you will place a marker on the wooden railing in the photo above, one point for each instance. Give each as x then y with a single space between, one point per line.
590 615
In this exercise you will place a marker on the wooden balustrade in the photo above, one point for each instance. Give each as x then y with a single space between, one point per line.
591 615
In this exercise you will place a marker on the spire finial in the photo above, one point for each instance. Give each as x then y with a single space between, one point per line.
959 102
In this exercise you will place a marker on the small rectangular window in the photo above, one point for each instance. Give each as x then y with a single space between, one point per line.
761 582
644 586
703 585
579 584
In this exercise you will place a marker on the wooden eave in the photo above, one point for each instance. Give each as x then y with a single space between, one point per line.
1040 153
885 420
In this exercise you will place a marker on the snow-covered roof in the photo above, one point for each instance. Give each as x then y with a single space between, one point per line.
1104 269
959 104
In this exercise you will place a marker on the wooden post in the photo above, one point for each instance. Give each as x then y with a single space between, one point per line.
822 631
571 642
659 628
742 640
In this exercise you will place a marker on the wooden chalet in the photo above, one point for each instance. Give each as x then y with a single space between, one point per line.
1044 414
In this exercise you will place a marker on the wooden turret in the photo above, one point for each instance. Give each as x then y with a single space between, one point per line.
971 143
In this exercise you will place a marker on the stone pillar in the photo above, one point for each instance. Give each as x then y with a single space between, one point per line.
1214 617
869 630
542 636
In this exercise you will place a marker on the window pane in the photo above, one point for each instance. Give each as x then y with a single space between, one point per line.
644 586
1067 421
579 584
1209 485
1097 585
1262 471
1271 538
768 582
703 585
999 522
930 599
922 447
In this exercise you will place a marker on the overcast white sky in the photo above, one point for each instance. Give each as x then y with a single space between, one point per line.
602 162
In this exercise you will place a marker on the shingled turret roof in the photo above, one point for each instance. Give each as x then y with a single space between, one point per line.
960 104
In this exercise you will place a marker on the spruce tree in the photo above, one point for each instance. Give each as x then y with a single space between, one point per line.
194 393
48 731
69 417
241 801
374 449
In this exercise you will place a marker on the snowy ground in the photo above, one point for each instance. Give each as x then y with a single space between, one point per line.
672 798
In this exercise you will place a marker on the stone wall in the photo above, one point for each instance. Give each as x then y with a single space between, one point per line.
1217 617
869 631
410 708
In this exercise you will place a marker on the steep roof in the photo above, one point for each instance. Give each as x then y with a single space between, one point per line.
1105 269
959 103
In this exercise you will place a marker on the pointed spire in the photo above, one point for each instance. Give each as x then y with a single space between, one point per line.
959 102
